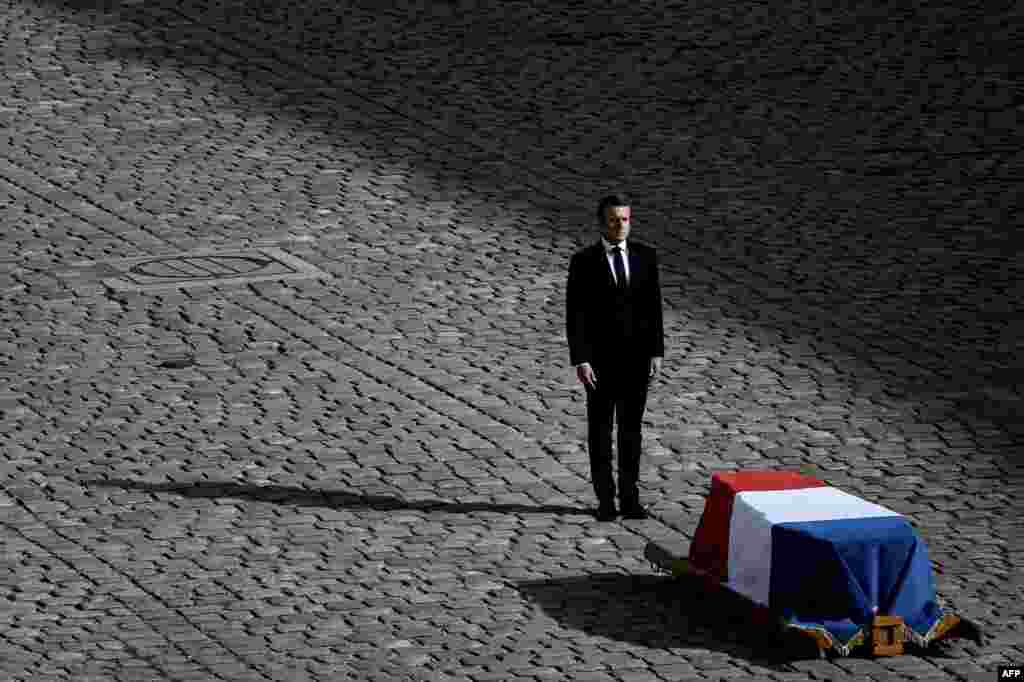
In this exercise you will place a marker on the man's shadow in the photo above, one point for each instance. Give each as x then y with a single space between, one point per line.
330 499
651 610
655 611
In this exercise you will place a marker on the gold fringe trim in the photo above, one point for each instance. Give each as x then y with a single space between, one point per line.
937 631
826 641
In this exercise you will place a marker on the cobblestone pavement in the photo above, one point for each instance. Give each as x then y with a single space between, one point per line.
380 473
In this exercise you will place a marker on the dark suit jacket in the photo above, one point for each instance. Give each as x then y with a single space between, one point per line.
606 325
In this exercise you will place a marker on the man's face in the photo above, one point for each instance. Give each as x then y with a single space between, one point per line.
616 223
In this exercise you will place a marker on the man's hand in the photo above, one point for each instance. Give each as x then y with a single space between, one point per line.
655 368
585 373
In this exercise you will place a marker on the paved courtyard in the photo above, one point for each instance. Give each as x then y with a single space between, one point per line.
285 387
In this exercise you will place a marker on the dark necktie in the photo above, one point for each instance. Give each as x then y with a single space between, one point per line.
620 267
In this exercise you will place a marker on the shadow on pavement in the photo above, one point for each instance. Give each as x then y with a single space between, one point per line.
663 612
837 175
330 499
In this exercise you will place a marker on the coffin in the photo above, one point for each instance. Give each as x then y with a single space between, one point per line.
844 571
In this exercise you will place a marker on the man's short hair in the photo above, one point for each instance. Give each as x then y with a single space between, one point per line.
608 202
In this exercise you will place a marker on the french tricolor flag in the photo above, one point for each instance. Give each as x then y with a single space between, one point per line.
822 559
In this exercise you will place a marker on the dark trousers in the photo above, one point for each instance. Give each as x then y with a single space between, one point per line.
621 392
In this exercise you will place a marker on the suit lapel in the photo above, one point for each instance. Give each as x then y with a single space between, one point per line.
634 266
601 260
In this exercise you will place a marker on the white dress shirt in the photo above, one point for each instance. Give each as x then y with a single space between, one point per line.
610 257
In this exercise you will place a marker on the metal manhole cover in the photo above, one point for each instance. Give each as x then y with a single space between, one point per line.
199 268
178 363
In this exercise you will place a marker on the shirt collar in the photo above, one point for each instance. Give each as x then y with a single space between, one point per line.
608 246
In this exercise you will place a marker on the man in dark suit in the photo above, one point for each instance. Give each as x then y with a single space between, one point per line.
616 342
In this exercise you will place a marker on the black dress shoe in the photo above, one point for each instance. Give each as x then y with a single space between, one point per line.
606 513
635 511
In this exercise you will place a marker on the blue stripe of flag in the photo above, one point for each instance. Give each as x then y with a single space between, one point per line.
836 573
